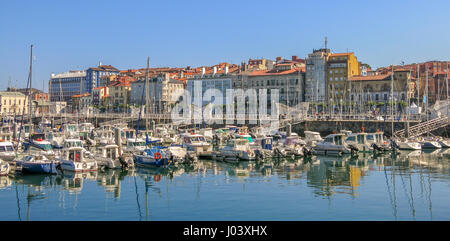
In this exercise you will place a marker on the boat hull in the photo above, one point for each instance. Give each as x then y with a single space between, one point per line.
39 168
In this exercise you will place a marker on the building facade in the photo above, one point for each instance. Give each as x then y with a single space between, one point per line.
340 67
377 88
287 78
65 85
98 94
161 91
316 76
95 76
13 103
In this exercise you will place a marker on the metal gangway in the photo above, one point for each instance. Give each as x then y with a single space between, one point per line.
424 127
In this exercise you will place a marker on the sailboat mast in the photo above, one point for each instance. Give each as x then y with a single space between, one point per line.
31 78
147 94
392 101
446 84
418 85
426 91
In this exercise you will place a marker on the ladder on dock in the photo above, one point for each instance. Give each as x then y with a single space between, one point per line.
424 127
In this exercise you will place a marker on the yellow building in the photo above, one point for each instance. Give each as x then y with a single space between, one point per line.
13 103
119 94
340 67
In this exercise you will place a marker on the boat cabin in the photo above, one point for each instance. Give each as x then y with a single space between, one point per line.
357 138
238 144
110 151
336 139
135 144
74 154
6 146
69 143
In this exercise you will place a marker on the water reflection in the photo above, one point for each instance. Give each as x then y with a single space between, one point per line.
406 179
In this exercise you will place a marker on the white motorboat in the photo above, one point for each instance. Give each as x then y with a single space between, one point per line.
332 145
7 152
135 144
312 138
445 143
236 150
76 159
109 156
293 145
197 143
359 141
376 140
405 144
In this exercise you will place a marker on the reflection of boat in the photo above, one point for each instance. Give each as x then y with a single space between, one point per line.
73 182
4 168
110 180
5 181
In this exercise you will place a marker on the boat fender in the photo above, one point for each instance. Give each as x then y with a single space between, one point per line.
84 165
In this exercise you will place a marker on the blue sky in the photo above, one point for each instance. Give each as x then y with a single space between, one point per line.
71 35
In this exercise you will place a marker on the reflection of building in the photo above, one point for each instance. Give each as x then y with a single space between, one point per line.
334 175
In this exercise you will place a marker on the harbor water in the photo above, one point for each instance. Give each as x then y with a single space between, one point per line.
407 186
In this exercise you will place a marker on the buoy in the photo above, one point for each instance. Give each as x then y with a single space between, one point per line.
158 156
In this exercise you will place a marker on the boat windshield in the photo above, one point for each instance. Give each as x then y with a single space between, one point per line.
6 148
197 138
46 147
370 137
361 139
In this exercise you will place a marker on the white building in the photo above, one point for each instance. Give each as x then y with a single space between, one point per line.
316 82
161 90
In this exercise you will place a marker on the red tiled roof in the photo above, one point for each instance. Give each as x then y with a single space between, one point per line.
82 95
370 78
272 72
